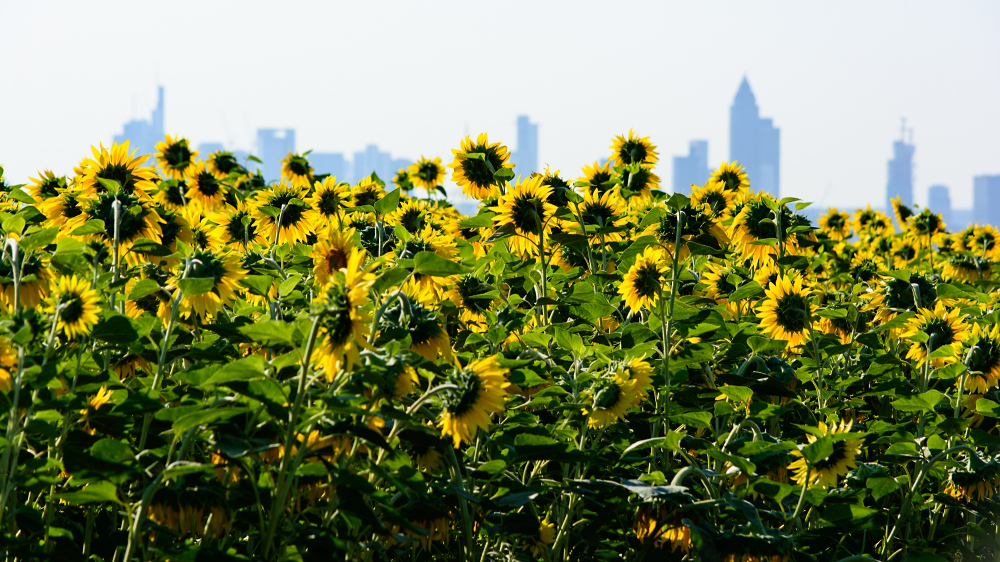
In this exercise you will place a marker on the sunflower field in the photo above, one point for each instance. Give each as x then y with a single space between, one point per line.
198 364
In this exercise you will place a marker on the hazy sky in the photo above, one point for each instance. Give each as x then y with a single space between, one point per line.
415 77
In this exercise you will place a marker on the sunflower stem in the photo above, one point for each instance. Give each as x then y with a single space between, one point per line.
802 494
961 382
15 265
116 206
7 464
463 505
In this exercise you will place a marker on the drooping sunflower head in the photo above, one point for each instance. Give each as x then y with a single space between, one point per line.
411 214
475 164
296 170
402 180
479 393
136 218
427 173
47 185
425 327
757 221
175 156
604 215
924 226
75 305
786 313
982 353
715 198
598 177
902 211
770 546
632 149
118 166
35 280
64 210
835 224
643 285
282 214
732 177
932 329
526 207
658 522
839 462
344 321
966 267
471 296
609 397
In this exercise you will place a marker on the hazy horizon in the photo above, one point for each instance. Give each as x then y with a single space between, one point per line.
415 78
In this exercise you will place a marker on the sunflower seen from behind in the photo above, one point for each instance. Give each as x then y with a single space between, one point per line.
75 305
205 188
344 319
47 185
427 173
479 392
224 270
332 252
175 156
786 313
282 214
932 329
642 286
36 278
526 208
982 349
475 165
116 165
608 398
714 198
840 461
732 177
238 226
330 198
756 222
598 177
632 149
835 224
296 170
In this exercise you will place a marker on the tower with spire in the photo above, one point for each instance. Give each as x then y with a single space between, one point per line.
754 142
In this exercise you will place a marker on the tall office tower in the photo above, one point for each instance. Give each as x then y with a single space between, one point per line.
371 159
901 171
691 169
939 201
332 163
755 142
273 146
525 158
986 200
143 135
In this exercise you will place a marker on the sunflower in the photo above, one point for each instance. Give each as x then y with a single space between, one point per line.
526 208
296 170
546 537
480 392
559 187
640 371
221 164
474 174
838 463
632 150
427 173
330 198
902 211
786 312
367 192
835 224
904 251
977 482
604 216
942 327
967 268
47 185
411 214
205 188
732 177
659 522
225 271
984 241
771 546
285 204
757 222
872 223
204 234
643 284
238 226
102 397
136 219
75 305
610 397
983 352
471 296
715 198
172 194
344 322
720 281
174 228
424 326
332 252
894 296
925 228
175 156
35 281
597 177
426 288
403 181
156 303
698 226
64 210
119 166
865 266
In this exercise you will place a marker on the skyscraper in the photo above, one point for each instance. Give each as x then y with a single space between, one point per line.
691 169
525 158
755 142
939 201
986 200
144 135
371 159
273 146
901 171
332 163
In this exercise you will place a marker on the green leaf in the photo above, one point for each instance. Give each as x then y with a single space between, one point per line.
693 419
482 220
736 393
194 286
942 352
150 247
747 467
95 226
249 368
268 332
112 450
388 203
429 263
751 290
184 468
288 285
97 492
671 441
143 288
109 184
38 240
258 284
503 174
881 486
115 328
19 195
14 224
987 408
920 403
819 450
204 417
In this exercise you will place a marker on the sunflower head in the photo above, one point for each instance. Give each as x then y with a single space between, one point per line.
598 177
475 165
982 357
224 270
402 180
224 163
643 284
932 329
786 313
47 185
902 211
527 209
427 173
283 215
732 177
835 224
296 170
136 217
925 225
824 473
872 223
478 392
609 397
632 149
175 156
115 169
75 305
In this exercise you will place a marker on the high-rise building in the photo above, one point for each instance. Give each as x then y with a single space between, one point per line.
273 146
901 172
371 159
691 169
144 135
986 200
939 201
525 158
332 163
755 142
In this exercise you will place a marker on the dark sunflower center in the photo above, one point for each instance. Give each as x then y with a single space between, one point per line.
205 265
335 259
225 163
731 180
71 207
366 197
607 395
600 214
468 289
640 181
170 229
174 191
835 222
899 294
50 187
527 213
647 281
599 179
757 213
412 220
428 172
177 155
208 185
792 313
299 166
986 241
236 230
722 284
424 326
201 238
467 392
632 152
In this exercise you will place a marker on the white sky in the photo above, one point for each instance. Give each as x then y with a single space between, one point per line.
415 77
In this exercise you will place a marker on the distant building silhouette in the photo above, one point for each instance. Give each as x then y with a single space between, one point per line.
939 201
691 169
332 163
371 159
273 146
525 158
901 171
755 142
986 200
144 135
206 148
